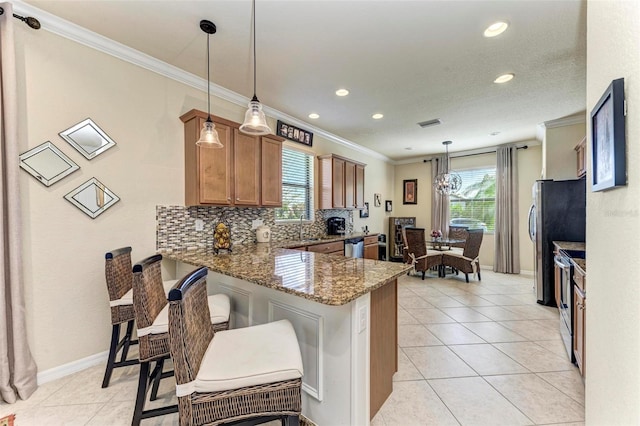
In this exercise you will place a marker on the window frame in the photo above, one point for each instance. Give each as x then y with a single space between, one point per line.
310 187
490 230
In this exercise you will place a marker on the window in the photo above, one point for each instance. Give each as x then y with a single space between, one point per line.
297 186
474 205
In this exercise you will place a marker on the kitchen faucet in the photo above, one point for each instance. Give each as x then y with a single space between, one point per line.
301 218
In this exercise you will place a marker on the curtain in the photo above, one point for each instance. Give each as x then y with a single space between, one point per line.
439 202
507 248
17 367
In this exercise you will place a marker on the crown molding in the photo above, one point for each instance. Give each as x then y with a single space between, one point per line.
566 121
477 151
81 35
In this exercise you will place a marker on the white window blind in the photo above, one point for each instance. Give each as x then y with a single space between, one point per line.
297 186
474 206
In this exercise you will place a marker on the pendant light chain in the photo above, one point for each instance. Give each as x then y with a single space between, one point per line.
208 81
254 47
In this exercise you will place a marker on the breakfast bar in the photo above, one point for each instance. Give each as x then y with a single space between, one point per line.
344 312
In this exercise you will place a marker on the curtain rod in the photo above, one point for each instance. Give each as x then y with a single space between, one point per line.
29 20
477 153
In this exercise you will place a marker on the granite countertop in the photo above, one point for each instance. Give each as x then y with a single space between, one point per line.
321 240
580 263
570 245
323 278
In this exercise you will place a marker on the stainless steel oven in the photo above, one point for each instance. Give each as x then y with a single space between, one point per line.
565 304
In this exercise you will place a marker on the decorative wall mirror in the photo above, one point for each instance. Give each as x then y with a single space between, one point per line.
47 163
89 139
92 197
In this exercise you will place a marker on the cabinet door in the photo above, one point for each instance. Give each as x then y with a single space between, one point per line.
579 313
214 169
359 186
581 154
371 251
337 188
349 185
246 162
271 192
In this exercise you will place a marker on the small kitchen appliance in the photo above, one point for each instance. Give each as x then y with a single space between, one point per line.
335 226
263 234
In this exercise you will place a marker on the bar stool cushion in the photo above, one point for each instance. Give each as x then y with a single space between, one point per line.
219 309
250 356
127 298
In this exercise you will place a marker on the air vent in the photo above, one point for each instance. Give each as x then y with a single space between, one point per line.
430 123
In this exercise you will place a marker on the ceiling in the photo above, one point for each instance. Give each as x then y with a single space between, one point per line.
409 60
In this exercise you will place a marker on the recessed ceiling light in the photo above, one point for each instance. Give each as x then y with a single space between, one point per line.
409 148
504 78
377 116
494 133
496 29
314 115
342 92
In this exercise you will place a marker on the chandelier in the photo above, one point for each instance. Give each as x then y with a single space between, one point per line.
447 182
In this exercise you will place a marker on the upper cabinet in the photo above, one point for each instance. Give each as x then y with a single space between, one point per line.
581 154
341 183
247 171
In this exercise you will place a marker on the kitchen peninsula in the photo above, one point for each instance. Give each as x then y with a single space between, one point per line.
344 312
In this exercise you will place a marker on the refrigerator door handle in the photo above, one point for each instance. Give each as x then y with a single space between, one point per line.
532 223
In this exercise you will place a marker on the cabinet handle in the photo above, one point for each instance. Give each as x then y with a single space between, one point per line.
237 199
228 198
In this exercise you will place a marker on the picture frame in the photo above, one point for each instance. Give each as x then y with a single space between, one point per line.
377 200
365 211
88 138
388 205
410 191
608 144
47 163
293 133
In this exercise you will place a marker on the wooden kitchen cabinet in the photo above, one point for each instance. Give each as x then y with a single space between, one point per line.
341 183
581 155
371 247
246 171
335 247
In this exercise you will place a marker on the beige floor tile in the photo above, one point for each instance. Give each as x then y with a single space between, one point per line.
414 302
85 387
493 332
487 360
454 334
444 302
438 362
406 369
569 382
62 415
553 323
377 420
452 291
416 335
555 346
502 300
41 393
472 300
534 357
405 292
535 312
497 313
415 403
465 314
537 399
120 414
428 291
430 316
532 330
527 298
405 317
474 402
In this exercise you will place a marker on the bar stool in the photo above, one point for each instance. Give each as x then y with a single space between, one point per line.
119 278
244 374
152 320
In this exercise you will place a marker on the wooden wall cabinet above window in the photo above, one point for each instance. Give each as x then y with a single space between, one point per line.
341 183
581 153
246 172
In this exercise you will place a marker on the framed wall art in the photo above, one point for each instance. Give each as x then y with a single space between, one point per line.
388 206
377 200
294 133
365 212
608 166
410 191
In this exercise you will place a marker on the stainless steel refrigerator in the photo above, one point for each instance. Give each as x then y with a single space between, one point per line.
557 214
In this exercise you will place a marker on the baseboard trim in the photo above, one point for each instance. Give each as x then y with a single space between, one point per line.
71 367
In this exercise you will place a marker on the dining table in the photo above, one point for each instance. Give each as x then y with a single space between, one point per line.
442 244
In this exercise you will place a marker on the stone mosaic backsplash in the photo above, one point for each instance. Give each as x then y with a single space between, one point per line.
176 225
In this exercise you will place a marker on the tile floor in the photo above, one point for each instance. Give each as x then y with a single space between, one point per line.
482 353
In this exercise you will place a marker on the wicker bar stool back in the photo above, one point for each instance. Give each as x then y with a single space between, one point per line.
219 380
119 278
422 259
149 299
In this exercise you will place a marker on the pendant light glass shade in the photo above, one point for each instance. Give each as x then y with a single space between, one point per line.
255 122
447 182
208 135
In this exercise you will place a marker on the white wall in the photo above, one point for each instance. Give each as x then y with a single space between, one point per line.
560 160
61 83
613 225
529 165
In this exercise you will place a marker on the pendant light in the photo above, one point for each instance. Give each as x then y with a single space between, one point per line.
208 134
255 123
447 182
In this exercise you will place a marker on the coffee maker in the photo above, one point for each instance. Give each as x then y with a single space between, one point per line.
335 226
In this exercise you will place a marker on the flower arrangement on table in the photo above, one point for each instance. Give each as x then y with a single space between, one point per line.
436 234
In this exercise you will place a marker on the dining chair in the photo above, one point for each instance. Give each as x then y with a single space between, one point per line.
119 279
152 320
421 258
469 261
457 232
247 374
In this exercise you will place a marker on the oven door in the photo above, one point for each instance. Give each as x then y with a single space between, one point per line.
566 303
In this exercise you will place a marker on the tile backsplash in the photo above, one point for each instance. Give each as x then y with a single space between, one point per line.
175 225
